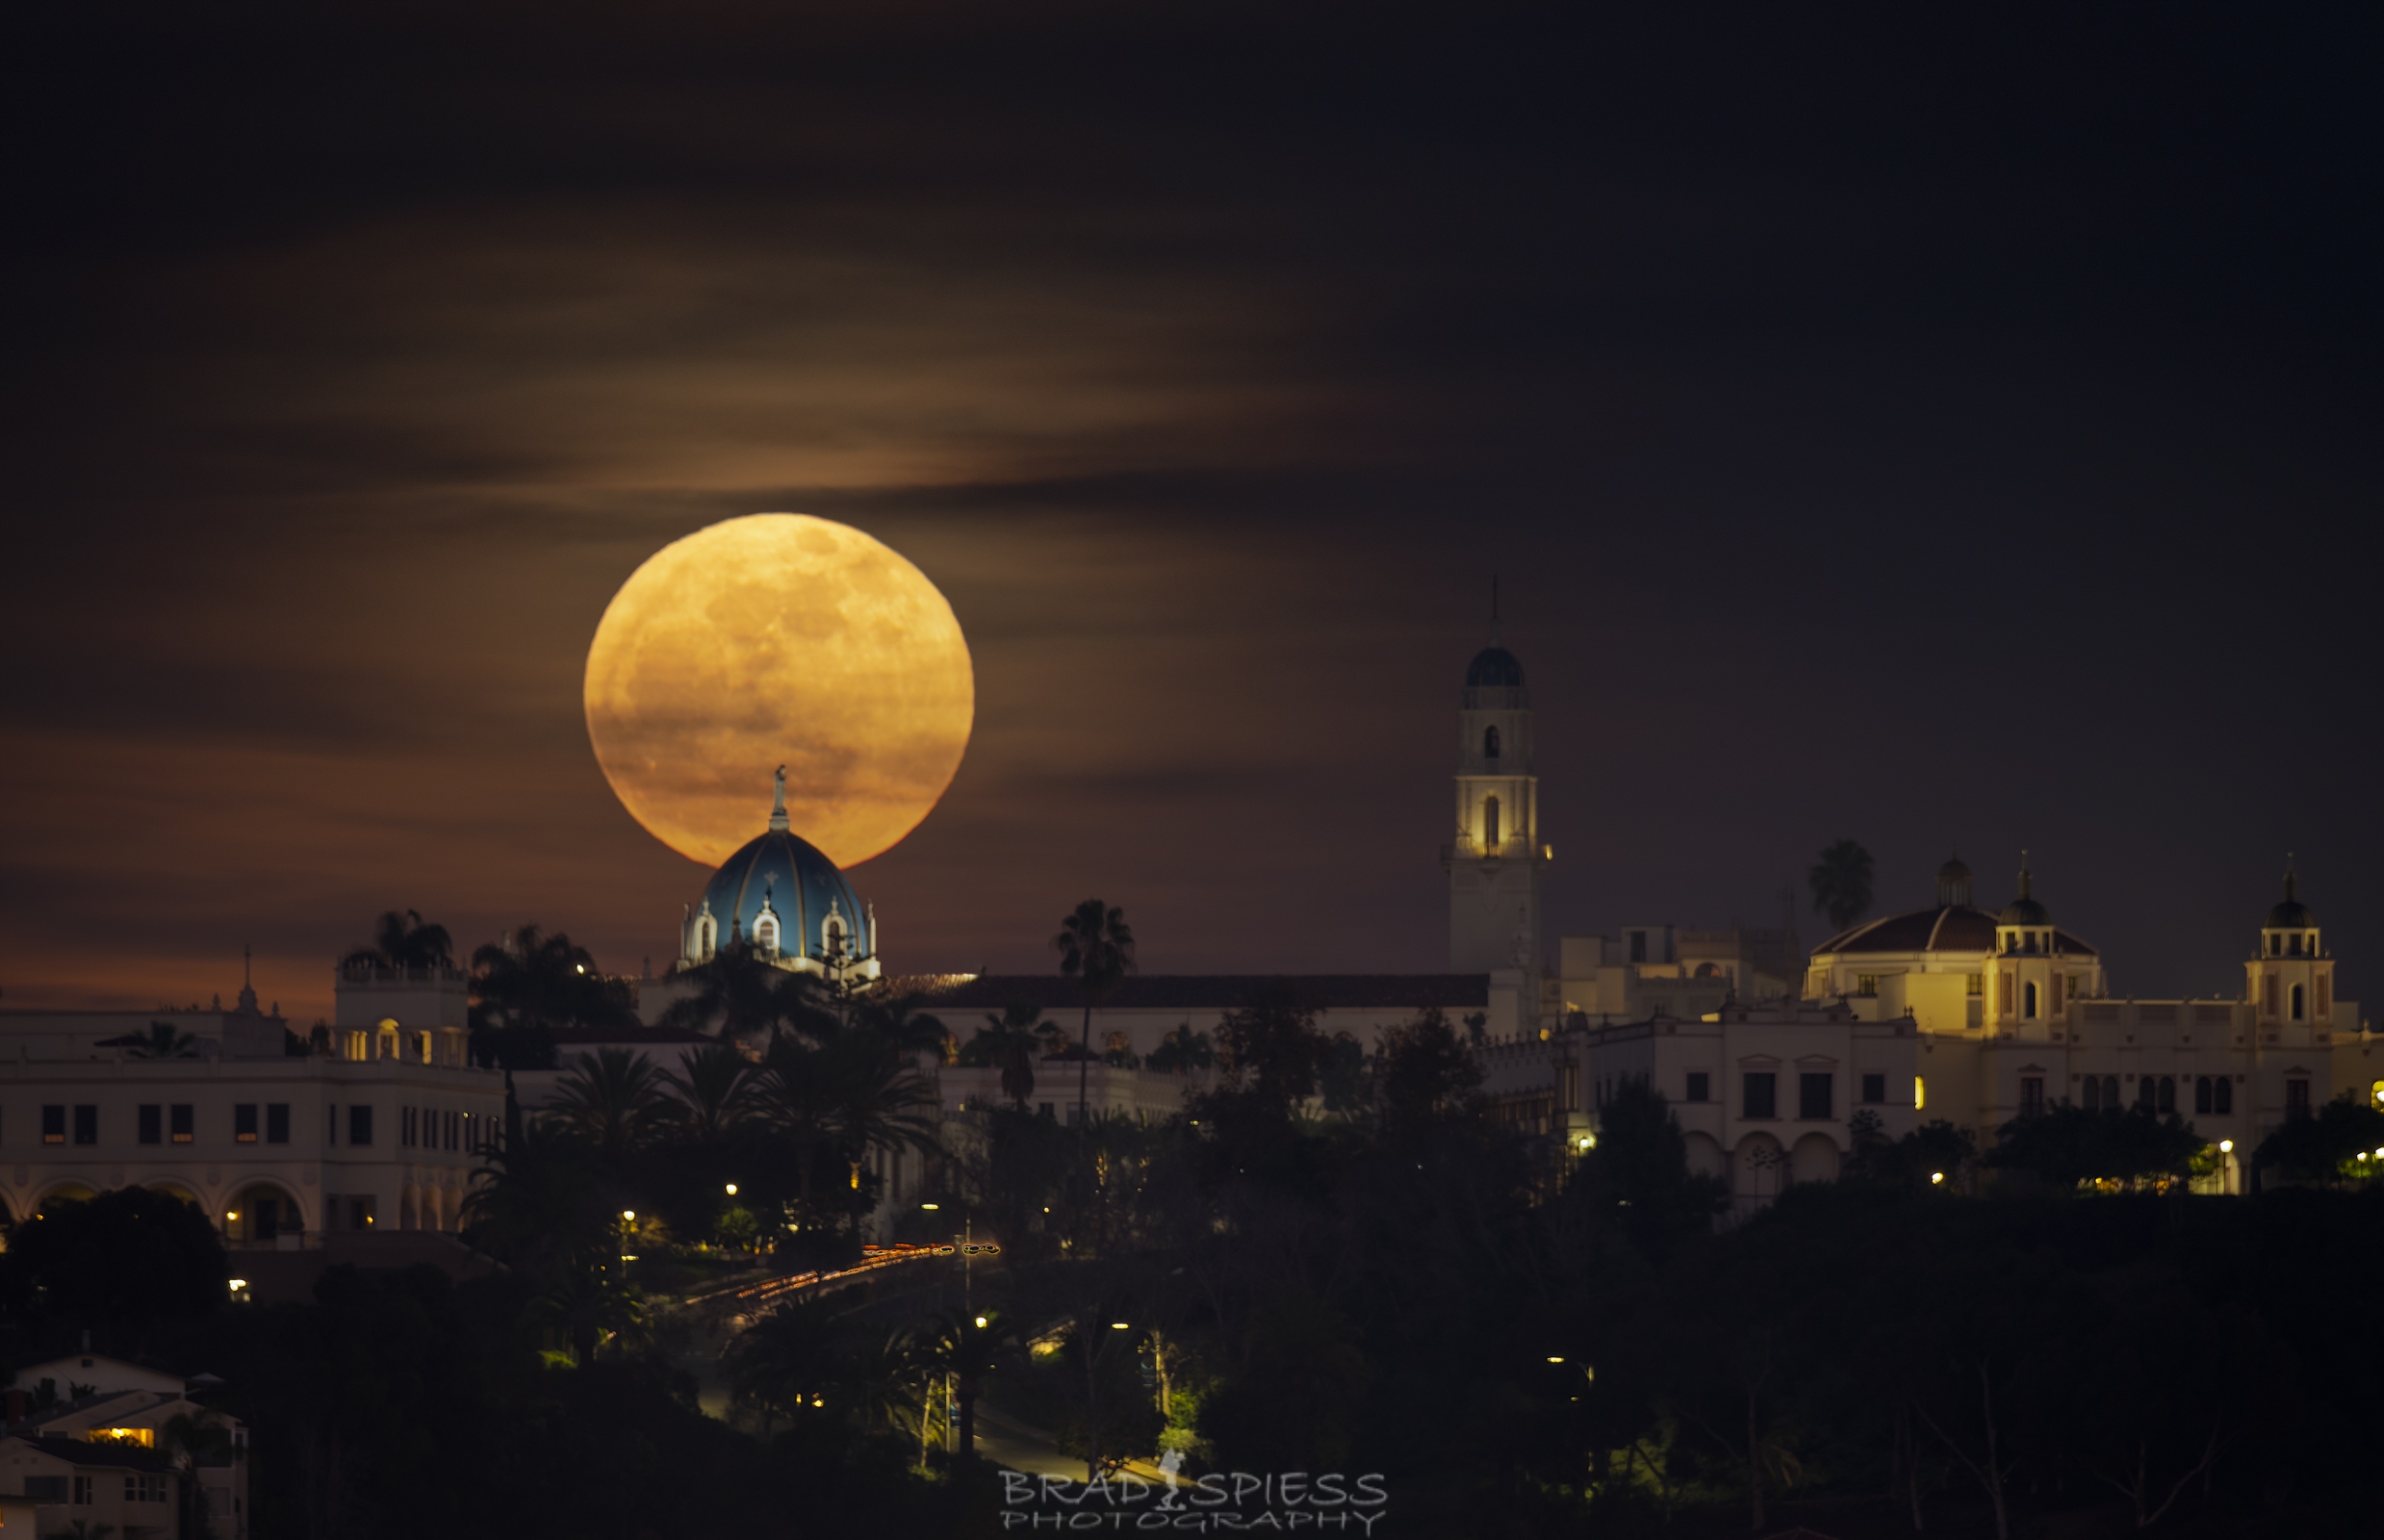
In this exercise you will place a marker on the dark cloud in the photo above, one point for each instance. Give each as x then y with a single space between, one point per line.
1908 425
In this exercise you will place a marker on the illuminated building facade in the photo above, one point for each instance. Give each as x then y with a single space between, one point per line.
371 1128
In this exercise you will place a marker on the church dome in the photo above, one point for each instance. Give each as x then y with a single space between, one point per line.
780 892
2292 915
801 888
1493 668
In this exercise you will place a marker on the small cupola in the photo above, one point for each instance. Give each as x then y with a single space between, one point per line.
1954 884
2024 925
2291 928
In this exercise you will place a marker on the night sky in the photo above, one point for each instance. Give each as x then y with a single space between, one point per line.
1890 423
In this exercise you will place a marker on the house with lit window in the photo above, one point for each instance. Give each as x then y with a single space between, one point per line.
86 1440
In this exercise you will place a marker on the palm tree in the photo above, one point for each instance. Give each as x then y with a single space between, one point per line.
714 1090
898 1020
1841 883
188 1439
956 1346
612 1098
1183 1050
401 940
750 997
165 1040
787 1359
880 1105
531 979
1011 1043
1097 945
794 1096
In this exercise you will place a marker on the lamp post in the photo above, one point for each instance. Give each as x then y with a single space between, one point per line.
2226 1166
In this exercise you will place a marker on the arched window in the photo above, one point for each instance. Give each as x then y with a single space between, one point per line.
765 933
2297 1002
705 934
2093 1098
2222 1095
1490 743
833 934
2028 1001
2028 941
2111 1093
1490 822
2201 1093
2168 1093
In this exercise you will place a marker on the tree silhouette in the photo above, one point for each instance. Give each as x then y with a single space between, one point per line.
401 940
1097 945
1841 883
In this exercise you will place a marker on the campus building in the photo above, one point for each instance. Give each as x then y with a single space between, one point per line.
372 1127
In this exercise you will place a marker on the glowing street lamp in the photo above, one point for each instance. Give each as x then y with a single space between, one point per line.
1935 1177
733 1190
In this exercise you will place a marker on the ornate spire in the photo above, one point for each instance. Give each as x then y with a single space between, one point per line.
777 804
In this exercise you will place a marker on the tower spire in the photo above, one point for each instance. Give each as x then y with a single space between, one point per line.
2024 893
2289 893
1494 609
778 803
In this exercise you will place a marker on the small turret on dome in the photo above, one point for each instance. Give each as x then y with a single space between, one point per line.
2024 910
2292 915
1954 882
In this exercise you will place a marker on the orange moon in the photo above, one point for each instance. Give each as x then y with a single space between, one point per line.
779 639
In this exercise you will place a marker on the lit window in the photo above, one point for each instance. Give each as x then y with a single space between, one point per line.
1974 983
245 1123
1490 822
1866 985
1921 1094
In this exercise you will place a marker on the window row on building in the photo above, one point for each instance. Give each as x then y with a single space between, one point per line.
268 1122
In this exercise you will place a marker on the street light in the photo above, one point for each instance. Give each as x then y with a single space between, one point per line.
733 1190
930 1207
1554 1358
981 1323
1119 1325
1934 1177
629 1214
2226 1146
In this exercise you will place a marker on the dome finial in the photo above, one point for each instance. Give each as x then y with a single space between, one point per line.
2024 893
778 803
1494 609
2289 875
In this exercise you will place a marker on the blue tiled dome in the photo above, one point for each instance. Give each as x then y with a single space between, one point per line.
1493 668
803 887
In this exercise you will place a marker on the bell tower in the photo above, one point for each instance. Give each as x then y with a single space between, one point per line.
1495 860
2290 983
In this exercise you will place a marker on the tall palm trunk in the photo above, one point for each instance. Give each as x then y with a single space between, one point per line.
1084 1067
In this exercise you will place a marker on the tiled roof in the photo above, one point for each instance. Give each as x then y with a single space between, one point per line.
1956 929
1203 992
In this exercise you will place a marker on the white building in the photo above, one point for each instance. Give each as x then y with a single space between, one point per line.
377 1135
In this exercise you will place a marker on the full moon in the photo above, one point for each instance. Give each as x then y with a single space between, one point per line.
779 639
